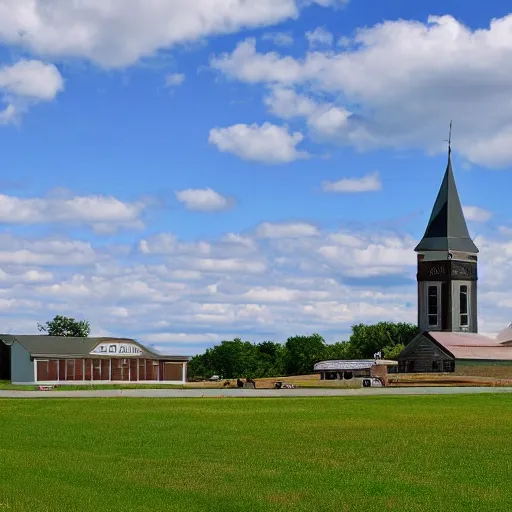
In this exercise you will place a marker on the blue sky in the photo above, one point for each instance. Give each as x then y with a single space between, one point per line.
195 171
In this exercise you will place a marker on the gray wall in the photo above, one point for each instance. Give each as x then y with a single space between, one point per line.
422 352
22 368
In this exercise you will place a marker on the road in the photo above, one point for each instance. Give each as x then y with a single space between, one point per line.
252 393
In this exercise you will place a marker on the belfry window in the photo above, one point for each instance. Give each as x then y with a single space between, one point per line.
463 306
432 305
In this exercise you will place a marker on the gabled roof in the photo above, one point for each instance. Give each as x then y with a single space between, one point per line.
447 229
471 346
60 346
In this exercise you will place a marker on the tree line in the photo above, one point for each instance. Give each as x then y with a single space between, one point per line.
298 355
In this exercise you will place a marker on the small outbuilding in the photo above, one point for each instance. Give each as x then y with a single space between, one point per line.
348 370
50 360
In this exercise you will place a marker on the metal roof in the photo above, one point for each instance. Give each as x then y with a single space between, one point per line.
472 346
341 365
61 346
467 339
447 229
505 336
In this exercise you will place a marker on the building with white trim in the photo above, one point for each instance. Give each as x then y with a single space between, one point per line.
51 360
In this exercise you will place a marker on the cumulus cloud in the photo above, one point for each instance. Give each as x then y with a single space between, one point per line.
45 252
278 38
369 183
104 214
25 83
166 243
476 214
113 35
286 230
319 37
267 143
267 283
203 200
404 91
31 79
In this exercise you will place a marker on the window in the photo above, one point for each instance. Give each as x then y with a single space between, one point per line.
463 305
448 365
432 305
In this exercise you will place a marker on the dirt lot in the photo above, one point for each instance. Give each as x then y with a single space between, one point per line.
401 380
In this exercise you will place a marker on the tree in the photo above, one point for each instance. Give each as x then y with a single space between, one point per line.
270 359
65 326
392 352
302 352
338 350
366 340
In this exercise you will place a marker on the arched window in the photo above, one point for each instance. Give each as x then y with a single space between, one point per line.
463 306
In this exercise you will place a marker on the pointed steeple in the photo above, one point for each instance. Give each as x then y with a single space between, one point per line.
447 229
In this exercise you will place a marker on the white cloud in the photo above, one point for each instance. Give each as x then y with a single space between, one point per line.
26 83
286 230
476 214
174 79
369 183
8 115
46 252
292 278
372 255
278 38
330 3
205 200
166 243
31 79
228 265
234 238
245 64
319 37
267 143
403 91
325 120
287 104
103 213
113 35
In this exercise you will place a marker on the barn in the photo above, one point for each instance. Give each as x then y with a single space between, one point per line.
50 360
444 351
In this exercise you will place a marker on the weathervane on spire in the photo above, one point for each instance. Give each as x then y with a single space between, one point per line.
450 139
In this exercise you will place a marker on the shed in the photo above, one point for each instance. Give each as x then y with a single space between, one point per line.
353 369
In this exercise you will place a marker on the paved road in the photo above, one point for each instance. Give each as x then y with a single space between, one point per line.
252 393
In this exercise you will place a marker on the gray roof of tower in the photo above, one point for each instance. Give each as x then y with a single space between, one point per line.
447 229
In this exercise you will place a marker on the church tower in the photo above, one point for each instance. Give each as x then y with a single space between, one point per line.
447 266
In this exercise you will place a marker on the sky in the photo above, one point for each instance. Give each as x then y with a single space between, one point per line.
183 172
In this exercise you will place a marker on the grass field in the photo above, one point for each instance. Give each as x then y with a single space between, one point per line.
442 453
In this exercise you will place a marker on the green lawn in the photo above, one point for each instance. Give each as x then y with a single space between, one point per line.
442 453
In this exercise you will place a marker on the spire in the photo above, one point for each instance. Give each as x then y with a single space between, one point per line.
447 229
